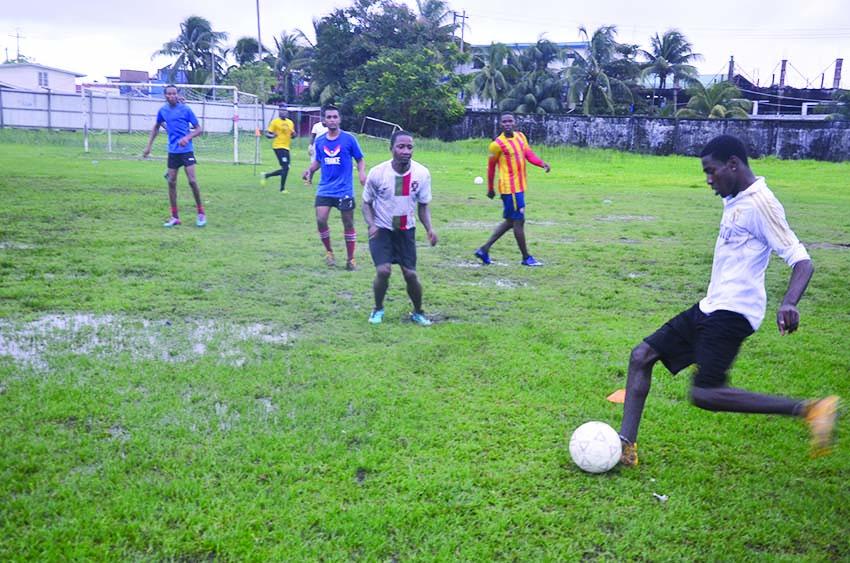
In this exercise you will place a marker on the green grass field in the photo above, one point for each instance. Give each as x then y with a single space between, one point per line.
217 395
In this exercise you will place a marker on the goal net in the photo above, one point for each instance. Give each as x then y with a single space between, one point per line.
378 128
118 118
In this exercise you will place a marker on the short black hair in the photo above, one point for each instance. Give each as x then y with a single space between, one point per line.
329 107
397 134
724 147
504 113
171 86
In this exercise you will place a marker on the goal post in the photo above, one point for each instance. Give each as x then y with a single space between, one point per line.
118 118
378 128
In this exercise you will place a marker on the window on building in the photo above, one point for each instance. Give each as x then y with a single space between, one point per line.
42 79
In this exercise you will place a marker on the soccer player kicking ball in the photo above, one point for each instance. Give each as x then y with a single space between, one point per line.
710 333
182 126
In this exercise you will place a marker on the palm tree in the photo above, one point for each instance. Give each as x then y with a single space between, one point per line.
536 92
671 55
721 100
292 54
197 48
589 84
247 50
495 75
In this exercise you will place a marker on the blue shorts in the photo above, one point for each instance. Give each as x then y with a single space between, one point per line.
710 341
514 205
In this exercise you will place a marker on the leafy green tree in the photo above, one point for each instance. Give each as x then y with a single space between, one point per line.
841 108
495 73
348 38
671 55
721 100
590 86
198 50
255 78
409 87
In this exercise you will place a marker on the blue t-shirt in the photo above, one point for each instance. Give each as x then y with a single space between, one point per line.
336 158
177 120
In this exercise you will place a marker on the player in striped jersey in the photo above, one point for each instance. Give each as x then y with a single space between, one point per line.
396 191
509 153
710 333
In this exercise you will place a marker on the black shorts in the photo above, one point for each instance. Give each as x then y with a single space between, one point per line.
178 159
282 157
341 203
394 247
710 341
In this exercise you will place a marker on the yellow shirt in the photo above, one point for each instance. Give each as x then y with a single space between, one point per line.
283 128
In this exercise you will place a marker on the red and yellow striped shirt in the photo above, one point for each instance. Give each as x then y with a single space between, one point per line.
509 155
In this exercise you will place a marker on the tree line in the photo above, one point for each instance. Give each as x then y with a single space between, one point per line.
382 59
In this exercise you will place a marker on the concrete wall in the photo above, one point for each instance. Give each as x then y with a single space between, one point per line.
785 138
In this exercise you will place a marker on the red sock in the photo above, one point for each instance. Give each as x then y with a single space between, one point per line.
325 237
201 209
350 238
174 212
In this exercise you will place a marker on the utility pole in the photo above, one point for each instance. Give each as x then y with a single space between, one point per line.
462 17
836 81
18 38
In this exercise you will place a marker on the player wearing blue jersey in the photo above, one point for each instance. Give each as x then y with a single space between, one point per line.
182 126
335 152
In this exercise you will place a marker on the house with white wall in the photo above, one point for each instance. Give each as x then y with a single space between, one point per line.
32 76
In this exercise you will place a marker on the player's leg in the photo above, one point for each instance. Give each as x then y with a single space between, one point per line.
519 235
719 339
283 160
196 192
174 163
322 212
381 249
638 382
346 211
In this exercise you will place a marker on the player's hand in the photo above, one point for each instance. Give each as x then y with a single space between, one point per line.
491 194
787 319
183 142
306 177
433 238
373 231
546 167
145 153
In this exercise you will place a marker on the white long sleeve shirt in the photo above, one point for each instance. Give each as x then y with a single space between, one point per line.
753 225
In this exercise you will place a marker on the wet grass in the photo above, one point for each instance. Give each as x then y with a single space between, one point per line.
216 394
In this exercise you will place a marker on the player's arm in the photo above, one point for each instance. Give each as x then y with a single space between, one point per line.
491 174
788 317
535 160
369 216
154 133
361 170
424 211
270 134
307 176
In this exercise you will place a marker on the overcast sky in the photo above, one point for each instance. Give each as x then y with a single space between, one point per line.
99 37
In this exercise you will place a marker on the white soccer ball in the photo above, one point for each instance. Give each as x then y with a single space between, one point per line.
478 180
595 447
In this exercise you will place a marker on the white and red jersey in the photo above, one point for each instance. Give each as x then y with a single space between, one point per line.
395 197
753 225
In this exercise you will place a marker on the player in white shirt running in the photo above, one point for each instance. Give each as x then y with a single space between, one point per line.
710 333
